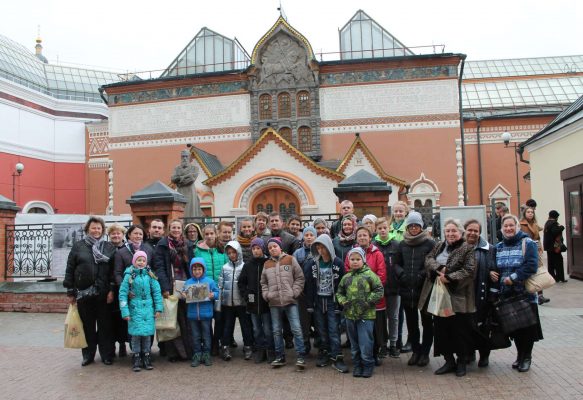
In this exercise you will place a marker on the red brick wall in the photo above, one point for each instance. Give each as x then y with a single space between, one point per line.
34 302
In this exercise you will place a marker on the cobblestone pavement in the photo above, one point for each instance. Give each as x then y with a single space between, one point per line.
33 364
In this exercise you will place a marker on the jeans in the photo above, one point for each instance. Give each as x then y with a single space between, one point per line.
412 314
141 344
262 331
393 305
201 332
293 316
327 323
360 333
230 314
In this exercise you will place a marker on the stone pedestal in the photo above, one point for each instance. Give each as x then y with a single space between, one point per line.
8 210
368 193
156 201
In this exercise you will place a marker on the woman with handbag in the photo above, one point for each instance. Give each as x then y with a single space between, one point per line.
453 263
529 225
171 265
87 281
554 246
516 260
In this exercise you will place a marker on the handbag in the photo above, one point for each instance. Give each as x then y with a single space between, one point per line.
440 300
168 318
74 334
514 313
165 335
541 279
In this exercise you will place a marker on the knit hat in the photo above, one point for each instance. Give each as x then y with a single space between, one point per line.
373 218
358 250
554 214
137 254
310 229
258 242
414 218
276 240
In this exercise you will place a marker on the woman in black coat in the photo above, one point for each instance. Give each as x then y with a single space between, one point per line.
171 264
87 281
553 234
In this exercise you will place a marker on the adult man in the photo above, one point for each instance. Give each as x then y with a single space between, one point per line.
155 232
501 211
346 207
289 242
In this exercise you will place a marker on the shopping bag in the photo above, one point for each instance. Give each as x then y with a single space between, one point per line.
74 334
164 335
167 319
440 300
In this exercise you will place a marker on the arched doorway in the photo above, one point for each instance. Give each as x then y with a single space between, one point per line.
276 199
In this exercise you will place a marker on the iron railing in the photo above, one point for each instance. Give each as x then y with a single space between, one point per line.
28 251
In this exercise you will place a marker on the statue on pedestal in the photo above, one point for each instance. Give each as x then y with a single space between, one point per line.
184 177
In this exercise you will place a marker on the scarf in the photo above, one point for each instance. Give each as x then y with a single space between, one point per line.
96 247
416 240
177 251
245 241
348 239
397 225
134 246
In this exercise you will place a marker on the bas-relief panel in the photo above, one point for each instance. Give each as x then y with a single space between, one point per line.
185 115
389 74
395 99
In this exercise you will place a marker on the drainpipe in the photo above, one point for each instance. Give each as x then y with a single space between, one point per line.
520 151
463 57
478 121
102 96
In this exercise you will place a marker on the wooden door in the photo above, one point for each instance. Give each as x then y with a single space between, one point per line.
574 225
276 199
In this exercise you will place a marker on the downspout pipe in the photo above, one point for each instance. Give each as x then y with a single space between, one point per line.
102 96
460 79
480 179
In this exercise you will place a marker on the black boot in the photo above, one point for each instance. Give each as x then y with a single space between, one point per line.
448 367
460 369
147 362
122 350
525 363
484 358
136 362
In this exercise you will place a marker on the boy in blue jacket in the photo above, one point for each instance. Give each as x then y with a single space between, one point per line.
200 313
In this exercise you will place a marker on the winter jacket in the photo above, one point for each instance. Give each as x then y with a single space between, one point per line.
145 302
552 231
250 286
460 269
342 249
358 292
282 281
82 271
411 270
312 269
229 278
485 255
397 233
303 255
202 310
290 242
214 261
163 267
519 265
376 263
123 259
389 250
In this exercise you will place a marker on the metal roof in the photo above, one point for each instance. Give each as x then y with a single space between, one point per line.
210 160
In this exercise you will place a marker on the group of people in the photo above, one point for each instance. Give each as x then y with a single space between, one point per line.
296 288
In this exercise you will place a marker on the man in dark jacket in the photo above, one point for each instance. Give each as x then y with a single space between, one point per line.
155 232
346 207
290 242
553 233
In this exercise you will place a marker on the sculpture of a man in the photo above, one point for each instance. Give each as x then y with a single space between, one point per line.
184 177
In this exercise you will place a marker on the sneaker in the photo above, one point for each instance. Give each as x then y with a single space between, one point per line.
196 360
407 348
338 364
207 360
394 352
248 352
278 362
367 371
300 363
226 353
323 358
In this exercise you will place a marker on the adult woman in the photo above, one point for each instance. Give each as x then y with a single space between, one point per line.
172 261
399 212
346 238
452 262
115 233
245 236
410 261
88 266
485 262
294 226
553 245
192 232
119 327
529 225
516 260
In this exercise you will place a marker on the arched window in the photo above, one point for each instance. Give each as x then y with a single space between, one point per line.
304 104
283 105
292 208
259 207
305 139
286 133
269 208
265 110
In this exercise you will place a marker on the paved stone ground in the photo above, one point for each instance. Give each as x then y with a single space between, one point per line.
33 364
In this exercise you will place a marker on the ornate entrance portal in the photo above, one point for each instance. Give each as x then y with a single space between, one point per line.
276 199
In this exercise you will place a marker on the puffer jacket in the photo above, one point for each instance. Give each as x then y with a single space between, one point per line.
250 286
82 271
214 260
358 292
146 300
282 281
312 268
376 263
389 250
460 269
202 310
229 278
411 269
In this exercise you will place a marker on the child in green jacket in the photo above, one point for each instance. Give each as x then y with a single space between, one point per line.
358 292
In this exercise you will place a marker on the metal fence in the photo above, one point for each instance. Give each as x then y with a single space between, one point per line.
28 251
306 219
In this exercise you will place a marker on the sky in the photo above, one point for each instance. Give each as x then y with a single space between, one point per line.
128 35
